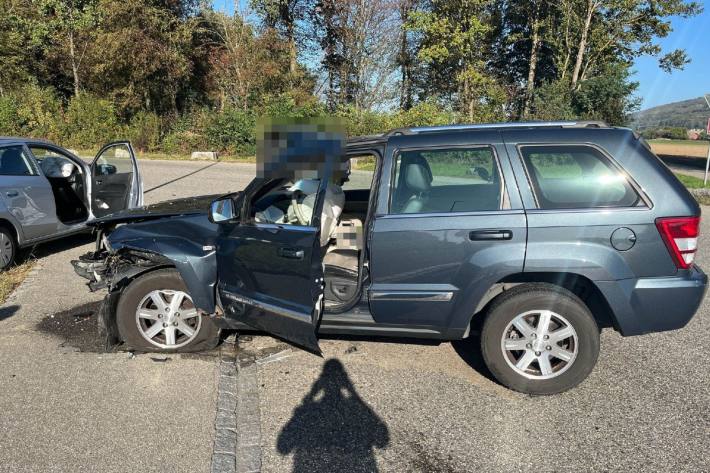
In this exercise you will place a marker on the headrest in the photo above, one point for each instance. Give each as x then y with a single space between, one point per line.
417 176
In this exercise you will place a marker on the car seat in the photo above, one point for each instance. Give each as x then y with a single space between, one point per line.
416 182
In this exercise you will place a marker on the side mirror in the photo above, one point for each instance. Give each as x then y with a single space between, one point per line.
222 210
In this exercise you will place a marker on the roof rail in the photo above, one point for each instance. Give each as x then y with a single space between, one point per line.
481 126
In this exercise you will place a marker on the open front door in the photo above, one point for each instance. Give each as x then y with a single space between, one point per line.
115 180
269 263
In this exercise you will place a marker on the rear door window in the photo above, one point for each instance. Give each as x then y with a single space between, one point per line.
576 176
14 161
446 180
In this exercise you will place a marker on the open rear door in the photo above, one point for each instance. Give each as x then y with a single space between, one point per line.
115 181
270 276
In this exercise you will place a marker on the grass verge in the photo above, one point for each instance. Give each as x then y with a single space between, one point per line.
13 277
691 182
89 154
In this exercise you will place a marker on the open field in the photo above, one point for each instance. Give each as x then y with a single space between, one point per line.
696 149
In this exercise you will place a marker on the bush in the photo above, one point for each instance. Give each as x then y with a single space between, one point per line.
9 121
90 121
232 130
30 111
144 131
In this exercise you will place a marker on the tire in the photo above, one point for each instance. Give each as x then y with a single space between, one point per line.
154 294
538 365
8 248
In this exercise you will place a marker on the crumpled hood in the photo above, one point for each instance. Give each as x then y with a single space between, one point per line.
168 208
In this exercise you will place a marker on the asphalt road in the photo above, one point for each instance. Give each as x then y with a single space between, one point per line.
62 409
368 405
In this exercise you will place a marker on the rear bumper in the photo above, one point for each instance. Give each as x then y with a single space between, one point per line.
649 305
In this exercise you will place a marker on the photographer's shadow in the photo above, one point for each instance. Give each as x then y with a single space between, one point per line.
333 429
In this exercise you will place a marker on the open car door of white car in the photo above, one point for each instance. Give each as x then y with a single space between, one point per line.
115 180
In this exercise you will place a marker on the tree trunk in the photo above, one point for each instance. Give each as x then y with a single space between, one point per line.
532 66
292 53
405 59
583 42
74 65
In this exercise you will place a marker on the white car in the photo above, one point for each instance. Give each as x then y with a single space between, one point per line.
46 192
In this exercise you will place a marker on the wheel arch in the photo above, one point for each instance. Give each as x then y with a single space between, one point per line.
13 228
577 284
197 268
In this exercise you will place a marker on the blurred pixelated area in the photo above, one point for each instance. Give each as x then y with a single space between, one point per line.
299 147
349 235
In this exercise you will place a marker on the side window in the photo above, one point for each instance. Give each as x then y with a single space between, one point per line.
285 202
576 176
446 180
15 162
114 160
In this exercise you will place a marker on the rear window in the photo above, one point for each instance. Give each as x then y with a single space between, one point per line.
576 176
15 162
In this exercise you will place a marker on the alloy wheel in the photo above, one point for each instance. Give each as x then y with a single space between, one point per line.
539 344
168 318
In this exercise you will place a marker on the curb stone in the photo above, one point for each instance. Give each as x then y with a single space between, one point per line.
237 439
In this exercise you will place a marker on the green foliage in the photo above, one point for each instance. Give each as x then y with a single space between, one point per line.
670 133
144 131
31 111
90 121
9 121
232 130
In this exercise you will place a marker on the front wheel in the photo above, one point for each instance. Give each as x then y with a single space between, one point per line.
539 339
155 313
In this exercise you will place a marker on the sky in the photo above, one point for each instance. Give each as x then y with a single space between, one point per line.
656 87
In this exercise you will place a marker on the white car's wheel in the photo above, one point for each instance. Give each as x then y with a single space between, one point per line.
8 248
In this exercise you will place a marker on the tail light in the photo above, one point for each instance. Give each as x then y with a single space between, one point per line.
680 235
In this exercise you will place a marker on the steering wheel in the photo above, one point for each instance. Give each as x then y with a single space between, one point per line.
296 199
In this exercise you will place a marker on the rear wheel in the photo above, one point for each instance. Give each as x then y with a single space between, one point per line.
539 339
155 313
8 248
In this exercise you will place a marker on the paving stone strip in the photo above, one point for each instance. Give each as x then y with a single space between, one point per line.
237 440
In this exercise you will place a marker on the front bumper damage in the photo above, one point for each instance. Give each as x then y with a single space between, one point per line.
112 271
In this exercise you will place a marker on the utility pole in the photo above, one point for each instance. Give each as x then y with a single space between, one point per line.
707 136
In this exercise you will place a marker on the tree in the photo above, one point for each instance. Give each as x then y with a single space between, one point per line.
140 57
285 16
453 47
626 29
359 42
70 24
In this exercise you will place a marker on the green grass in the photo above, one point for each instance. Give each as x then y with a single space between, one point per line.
691 182
89 154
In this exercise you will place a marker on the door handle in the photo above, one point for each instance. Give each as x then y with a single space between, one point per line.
99 182
12 193
291 253
480 235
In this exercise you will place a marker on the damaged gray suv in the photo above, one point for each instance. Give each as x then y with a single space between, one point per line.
533 236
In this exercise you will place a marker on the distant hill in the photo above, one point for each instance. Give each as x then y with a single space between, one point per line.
691 113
